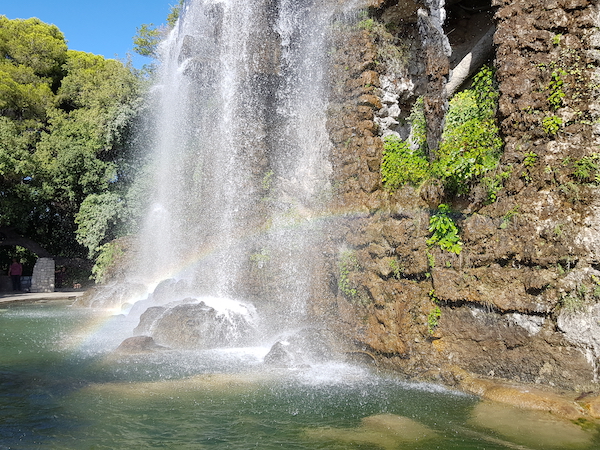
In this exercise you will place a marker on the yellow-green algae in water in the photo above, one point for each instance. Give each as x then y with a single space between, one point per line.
386 431
535 429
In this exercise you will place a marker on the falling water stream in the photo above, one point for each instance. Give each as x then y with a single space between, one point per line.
241 160
241 178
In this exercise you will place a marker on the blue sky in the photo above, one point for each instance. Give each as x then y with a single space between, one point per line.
102 27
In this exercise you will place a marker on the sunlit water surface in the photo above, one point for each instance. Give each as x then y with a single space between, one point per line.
61 388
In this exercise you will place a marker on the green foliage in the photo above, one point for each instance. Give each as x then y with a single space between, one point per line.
572 303
557 94
556 39
486 92
585 170
530 159
396 268
401 164
494 184
552 124
146 41
471 143
586 293
406 161
32 54
418 126
174 13
391 50
347 264
571 191
470 146
14 164
433 319
508 216
98 219
33 44
366 24
148 36
444 231
430 260
65 121
108 254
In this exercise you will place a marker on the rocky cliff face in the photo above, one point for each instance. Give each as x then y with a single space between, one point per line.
521 300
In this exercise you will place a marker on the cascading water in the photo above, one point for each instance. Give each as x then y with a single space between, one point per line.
241 171
241 164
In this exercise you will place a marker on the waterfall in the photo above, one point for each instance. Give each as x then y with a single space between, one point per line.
241 160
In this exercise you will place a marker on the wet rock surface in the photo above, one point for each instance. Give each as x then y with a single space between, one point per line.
194 325
138 344
518 303
302 348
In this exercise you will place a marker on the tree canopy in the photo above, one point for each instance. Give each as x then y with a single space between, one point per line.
148 36
66 119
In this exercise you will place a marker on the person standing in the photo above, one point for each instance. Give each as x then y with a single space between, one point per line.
15 271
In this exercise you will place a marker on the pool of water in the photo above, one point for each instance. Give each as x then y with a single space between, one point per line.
62 388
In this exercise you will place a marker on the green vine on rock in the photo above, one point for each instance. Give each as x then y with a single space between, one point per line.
402 165
469 149
347 263
552 124
557 94
444 231
433 319
471 143
587 169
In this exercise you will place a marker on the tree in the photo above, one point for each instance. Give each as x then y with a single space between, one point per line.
148 36
34 44
99 219
146 41
65 122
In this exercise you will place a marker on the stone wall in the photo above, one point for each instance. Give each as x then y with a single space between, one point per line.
42 279
514 303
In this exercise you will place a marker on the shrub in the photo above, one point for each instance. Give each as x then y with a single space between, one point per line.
444 231
401 164
470 146
471 142
108 256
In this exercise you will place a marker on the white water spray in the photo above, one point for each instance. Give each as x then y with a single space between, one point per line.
241 161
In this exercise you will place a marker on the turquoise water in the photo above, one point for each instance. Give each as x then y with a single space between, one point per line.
61 389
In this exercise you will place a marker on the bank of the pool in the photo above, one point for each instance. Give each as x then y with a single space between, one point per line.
11 297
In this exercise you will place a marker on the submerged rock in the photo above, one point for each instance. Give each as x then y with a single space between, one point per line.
522 396
386 431
138 344
535 429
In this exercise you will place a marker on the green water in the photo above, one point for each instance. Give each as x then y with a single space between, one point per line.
60 389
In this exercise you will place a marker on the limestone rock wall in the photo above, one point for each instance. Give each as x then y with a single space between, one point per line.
517 302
